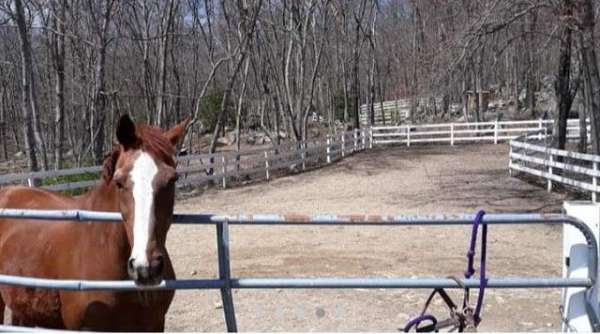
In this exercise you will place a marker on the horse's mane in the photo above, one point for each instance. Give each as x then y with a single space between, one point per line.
152 140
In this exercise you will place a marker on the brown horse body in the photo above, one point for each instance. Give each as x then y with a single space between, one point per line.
83 250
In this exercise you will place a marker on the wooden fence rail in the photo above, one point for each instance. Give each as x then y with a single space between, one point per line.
574 169
265 163
453 133
222 167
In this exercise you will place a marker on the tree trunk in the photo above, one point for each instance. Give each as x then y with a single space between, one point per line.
226 95
58 50
162 71
356 66
27 88
3 125
583 112
100 99
530 81
591 71
564 87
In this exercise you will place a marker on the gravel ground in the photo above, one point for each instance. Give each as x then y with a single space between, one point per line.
417 180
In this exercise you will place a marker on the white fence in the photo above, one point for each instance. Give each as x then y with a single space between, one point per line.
263 164
574 169
222 167
453 133
387 112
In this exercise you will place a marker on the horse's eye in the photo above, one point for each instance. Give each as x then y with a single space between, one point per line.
119 184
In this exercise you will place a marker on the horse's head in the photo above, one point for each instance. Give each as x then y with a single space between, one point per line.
142 167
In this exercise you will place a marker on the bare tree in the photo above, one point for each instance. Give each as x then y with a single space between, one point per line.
58 61
591 74
566 84
101 13
29 106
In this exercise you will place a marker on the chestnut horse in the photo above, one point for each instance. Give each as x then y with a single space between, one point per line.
138 180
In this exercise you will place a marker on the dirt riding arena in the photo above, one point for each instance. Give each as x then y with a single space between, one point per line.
415 180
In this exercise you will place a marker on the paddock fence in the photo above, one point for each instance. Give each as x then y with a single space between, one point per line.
460 133
221 168
386 112
226 282
263 164
534 157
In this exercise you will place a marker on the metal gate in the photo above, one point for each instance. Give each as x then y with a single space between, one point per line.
225 283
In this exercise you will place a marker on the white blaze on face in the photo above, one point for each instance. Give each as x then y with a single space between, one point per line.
142 174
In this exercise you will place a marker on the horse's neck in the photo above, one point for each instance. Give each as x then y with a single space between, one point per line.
104 197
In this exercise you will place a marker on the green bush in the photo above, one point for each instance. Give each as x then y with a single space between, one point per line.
209 108
50 181
339 105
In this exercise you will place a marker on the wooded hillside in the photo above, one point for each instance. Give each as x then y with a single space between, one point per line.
68 68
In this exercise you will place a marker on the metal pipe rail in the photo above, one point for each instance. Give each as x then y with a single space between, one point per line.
226 283
296 283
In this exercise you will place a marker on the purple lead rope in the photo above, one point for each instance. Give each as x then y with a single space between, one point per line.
468 274
470 258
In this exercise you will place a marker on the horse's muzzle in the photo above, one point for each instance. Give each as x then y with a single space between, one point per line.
146 274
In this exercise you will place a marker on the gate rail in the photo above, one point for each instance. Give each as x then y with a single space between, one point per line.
226 283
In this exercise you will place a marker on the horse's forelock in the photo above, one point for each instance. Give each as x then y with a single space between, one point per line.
154 142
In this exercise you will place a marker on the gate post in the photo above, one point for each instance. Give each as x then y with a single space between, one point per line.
225 275
540 125
408 135
343 143
451 134
576 265
355 140
371 137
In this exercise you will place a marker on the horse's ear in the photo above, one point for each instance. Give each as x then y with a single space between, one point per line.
109 166
126 133
177 132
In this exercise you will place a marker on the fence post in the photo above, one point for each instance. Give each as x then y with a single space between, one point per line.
540 126
303 155
224 160
363 135
510 149
496 132
595 182
451 134
267 165
408 135
328 149
355 140
550 170
371 137
343 143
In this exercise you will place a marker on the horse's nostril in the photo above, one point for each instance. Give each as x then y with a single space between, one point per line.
159 264
130 265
